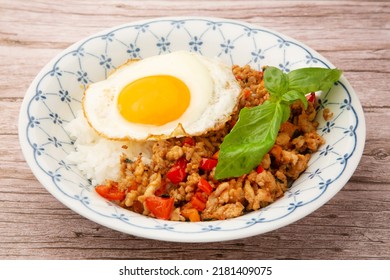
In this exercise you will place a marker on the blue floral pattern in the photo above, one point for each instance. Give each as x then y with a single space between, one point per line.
55 96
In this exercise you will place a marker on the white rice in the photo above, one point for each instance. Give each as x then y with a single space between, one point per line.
98 158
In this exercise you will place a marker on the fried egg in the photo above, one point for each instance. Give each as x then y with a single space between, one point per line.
172 95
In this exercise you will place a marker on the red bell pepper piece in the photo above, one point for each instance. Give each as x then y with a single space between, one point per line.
197 203
160 207
311 97
205 186
177 173
189 141
259 169
201 196
207 164
110 192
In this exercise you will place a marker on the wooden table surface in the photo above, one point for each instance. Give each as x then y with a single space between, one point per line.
353 35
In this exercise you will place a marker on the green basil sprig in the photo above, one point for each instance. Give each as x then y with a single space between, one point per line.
256 130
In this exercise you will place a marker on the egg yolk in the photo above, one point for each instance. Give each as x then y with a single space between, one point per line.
154 100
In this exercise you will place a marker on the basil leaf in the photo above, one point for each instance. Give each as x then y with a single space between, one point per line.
275 81
314 79
286 112
251 138
293 95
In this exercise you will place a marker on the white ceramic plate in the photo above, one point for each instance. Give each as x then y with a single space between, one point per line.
55 94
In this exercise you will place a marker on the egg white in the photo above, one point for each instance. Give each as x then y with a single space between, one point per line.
213 89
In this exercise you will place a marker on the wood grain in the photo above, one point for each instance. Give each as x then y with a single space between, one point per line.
353 35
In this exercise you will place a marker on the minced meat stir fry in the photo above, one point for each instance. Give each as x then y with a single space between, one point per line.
179 183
